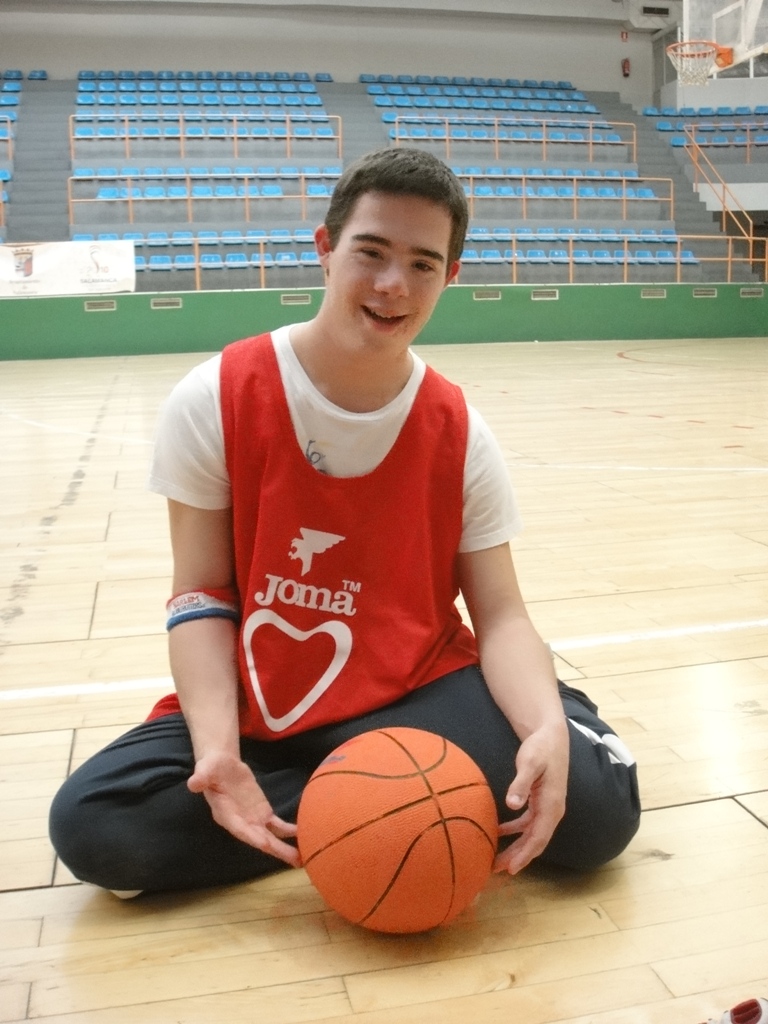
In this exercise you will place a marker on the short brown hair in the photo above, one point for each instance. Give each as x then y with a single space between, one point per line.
400 171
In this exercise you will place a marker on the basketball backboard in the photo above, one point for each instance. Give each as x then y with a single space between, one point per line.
739 24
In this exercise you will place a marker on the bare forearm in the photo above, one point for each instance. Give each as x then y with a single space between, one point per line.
518 669
204 666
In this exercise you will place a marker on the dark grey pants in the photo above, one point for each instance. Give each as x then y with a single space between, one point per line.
126 820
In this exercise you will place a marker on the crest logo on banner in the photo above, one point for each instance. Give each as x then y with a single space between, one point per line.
23 262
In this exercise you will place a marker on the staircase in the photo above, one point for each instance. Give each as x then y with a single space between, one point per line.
362 129
37 205
656 159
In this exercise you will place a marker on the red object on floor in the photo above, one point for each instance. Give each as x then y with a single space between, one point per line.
753 1011
750 1012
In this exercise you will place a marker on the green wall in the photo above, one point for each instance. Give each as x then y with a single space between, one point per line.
32 328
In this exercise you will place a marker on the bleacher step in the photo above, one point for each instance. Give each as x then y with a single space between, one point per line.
37 207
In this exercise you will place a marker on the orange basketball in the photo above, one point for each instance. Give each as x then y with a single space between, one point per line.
397 830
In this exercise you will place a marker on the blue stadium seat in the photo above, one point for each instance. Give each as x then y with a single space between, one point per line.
622 256
211 261
286 259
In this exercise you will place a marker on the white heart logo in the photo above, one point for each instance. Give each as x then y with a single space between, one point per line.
340 632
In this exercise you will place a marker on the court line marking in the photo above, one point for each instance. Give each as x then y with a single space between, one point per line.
86 689
608 639
56 429
574 644
637 469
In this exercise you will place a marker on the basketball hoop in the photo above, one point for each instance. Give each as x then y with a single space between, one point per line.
693 59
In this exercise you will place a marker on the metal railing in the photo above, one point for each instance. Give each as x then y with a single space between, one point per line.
705 171
177 132
500 133
566 269
627 202
506 270
747 138
624 256
133 201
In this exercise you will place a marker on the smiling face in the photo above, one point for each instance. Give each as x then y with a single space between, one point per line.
387 269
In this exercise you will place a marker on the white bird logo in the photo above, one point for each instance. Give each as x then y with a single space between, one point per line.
311 542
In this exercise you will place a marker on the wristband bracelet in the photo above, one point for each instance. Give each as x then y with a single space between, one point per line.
200 604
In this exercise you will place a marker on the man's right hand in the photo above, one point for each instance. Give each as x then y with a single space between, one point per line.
239 805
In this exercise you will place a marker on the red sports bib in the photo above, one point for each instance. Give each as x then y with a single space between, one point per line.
347 585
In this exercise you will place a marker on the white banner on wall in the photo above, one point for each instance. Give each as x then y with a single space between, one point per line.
67 268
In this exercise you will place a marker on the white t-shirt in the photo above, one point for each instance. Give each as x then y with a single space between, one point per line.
189 464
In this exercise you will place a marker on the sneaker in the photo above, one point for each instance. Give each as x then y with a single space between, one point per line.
753 1011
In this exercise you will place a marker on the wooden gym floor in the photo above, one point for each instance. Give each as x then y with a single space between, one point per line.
642 472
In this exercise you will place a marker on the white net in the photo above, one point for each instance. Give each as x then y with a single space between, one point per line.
693 60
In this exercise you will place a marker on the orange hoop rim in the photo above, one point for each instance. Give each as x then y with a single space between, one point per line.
706 48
